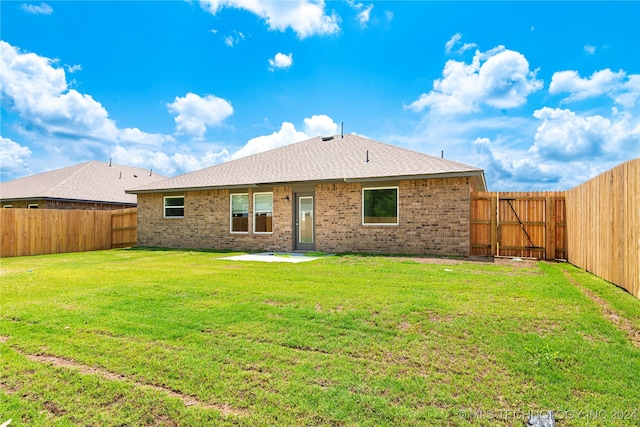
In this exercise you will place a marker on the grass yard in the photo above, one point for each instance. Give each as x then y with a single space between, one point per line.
144 337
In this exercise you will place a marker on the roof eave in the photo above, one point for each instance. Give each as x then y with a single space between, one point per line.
462 174
61 199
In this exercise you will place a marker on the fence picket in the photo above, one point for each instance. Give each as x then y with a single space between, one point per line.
47 231
603 226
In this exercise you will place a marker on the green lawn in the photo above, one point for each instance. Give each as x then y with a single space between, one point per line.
143 337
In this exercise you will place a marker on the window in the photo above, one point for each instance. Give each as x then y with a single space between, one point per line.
239 213
33 206
174 207
262 212
380 206
8 206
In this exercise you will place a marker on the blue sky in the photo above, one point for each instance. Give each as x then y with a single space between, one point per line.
542 95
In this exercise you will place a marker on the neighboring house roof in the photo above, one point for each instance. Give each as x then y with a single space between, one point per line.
88 182
348 158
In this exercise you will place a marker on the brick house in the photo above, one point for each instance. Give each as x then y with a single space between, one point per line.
91 185
333 194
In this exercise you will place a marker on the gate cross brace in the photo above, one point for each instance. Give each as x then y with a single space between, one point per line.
521 224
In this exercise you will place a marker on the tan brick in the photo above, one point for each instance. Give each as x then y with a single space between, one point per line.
433 219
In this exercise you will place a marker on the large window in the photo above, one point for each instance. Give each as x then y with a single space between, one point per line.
174 206
262 212
239 213
380 206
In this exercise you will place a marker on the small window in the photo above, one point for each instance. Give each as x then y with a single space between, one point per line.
174 207
8 206
380 206
263 212
33 206
240 213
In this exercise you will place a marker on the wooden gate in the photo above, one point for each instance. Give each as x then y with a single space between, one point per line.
124 230
525 225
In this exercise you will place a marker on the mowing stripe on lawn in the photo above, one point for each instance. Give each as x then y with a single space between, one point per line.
224 409
622 323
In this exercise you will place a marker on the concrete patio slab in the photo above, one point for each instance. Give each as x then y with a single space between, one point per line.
272 257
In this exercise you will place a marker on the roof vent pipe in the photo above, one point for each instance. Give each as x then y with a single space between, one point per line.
109 161
341 130
150 172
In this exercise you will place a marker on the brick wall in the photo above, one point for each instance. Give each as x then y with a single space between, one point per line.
206 222
433 219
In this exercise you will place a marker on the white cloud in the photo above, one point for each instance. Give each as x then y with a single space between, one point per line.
454 40
498 78
364 16
40 94
305 18
448 46
138 137
43 9
603 82
195 113
66 123
285 136
73 68
503 167
280 61
320 125
565 135
181 161
629 92
13 157
589 50
234 38
288 134
364 12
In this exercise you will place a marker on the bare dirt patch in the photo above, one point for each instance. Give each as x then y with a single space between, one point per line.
3 339
223 408
609 313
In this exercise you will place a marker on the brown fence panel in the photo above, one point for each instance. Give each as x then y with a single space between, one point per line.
47 231
483 226
603 218
124 228
518 224
52 231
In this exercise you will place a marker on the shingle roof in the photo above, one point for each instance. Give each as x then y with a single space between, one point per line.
91 181
317 159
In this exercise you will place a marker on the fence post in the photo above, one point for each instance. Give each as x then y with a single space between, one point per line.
550 227
493 215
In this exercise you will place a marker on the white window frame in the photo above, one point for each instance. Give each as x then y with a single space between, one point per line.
255 212
8 206
397 206
164 207
32 206
231 213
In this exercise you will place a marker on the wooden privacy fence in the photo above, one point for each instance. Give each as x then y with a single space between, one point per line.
50 231
124 228
519 224
604 226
